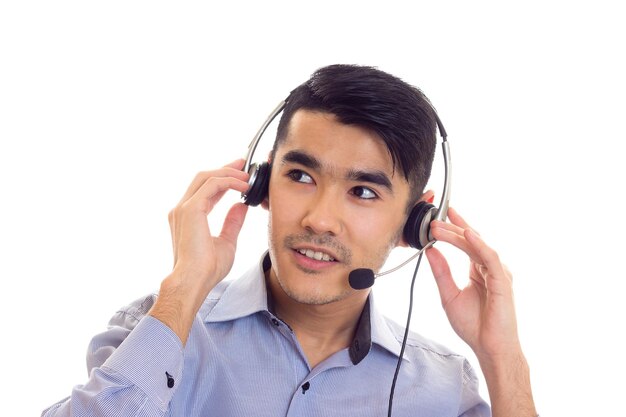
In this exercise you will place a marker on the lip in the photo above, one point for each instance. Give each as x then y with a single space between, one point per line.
317 249
312 264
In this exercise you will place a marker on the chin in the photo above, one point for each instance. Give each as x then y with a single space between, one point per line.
311 287
313 296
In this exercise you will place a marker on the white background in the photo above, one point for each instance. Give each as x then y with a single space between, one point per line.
108 109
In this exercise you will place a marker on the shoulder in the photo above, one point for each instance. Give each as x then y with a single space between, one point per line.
129 315
440 359
214 297
425 353
120 325
418 344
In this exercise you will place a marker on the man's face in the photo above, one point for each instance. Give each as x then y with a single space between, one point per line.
335 204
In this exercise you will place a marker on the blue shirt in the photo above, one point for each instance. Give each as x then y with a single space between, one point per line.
242 360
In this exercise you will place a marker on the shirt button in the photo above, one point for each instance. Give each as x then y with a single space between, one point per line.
305 387
170 380
275 322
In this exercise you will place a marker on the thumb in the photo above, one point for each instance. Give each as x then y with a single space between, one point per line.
233 223
448 289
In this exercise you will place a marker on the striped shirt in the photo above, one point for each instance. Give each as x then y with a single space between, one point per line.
242 360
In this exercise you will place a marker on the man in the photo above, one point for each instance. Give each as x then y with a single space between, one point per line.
353 152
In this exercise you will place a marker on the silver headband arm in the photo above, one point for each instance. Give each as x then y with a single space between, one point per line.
442 212
257 137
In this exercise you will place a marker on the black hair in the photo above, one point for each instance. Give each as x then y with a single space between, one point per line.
367 97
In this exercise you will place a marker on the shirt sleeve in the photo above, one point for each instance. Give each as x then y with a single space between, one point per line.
134 368
472 404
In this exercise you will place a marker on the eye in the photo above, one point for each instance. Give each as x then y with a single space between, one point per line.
300 176
364 193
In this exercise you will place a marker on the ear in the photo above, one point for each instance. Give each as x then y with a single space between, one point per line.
265 203
429 197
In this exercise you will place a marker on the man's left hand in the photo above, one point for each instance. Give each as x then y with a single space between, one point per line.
482 313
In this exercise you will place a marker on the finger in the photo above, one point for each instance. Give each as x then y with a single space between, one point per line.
447 226
478 274
457 239
213 190
172 221
232 169
456 223
487 256
237 164
491 268
455 218
448 289
233 223
203 176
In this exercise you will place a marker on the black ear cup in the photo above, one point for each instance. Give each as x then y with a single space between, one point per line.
259 183
417 228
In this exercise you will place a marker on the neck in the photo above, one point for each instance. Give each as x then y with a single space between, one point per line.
321 330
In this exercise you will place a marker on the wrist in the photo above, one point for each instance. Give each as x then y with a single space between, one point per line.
508 383
178 303
503 363
188 286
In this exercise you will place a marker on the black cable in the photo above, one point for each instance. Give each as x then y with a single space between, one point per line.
406 334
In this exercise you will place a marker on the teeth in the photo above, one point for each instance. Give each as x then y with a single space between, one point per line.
320 256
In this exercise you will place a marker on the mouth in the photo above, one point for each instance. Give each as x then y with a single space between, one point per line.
316 255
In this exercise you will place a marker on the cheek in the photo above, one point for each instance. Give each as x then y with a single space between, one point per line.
283 218
376 229
282 208
374 237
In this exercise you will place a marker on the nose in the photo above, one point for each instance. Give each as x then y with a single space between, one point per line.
324 214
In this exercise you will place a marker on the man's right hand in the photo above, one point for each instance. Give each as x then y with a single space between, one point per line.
201 260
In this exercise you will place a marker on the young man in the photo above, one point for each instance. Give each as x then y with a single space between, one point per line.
353 153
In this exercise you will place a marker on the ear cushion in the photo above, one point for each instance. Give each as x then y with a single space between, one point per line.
259 184
417 227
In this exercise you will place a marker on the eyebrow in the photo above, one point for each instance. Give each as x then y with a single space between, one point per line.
377 177
373 177
302 158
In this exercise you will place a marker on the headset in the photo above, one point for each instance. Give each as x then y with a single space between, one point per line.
417 227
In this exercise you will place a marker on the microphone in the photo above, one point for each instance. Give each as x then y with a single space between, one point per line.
363 278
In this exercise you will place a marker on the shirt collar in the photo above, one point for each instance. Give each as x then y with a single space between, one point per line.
381 333
248 295
243 296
